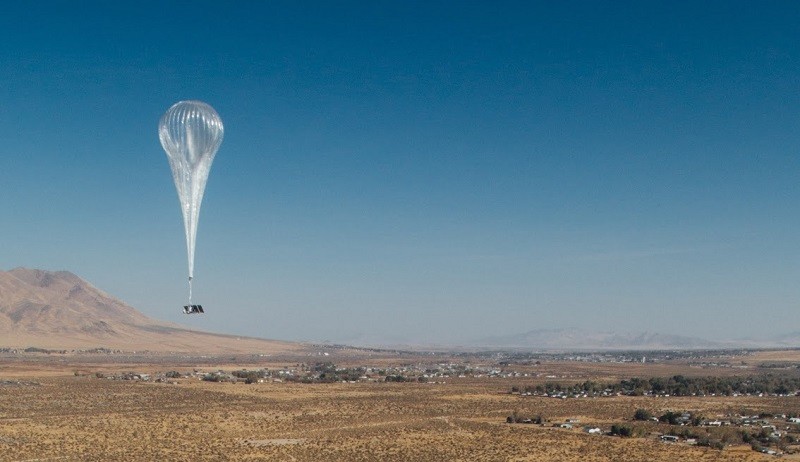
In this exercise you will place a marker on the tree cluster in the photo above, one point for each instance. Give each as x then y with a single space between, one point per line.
624 431
250 376
677 385
516 417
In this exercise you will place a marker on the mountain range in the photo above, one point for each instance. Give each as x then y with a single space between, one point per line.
59 310
580 339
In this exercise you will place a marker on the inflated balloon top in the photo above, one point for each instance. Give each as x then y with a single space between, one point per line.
191 133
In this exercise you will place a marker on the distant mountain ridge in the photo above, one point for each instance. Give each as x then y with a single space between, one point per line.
581 339
566 340
59 310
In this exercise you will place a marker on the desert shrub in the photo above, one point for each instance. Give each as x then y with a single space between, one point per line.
710 443
212 378
642 414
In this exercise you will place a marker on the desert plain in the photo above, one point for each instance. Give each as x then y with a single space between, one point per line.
112 406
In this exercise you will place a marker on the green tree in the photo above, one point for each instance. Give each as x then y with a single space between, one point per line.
670 417
621 430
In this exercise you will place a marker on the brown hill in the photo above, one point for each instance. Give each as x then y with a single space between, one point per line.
59 310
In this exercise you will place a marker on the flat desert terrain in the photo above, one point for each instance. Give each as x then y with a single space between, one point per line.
67 408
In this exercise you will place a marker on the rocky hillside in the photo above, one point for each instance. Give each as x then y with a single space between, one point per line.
59 310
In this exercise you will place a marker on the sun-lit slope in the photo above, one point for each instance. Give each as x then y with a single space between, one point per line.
57 309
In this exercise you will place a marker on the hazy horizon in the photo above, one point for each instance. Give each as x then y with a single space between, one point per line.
418 170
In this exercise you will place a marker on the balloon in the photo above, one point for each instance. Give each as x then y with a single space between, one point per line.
190 132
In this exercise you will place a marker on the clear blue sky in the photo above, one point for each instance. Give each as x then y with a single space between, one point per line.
424 171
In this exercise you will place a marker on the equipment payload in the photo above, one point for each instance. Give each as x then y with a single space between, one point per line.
193 309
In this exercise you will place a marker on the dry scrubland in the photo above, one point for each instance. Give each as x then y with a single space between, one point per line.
84 418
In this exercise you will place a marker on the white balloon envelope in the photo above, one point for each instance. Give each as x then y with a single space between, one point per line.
191 133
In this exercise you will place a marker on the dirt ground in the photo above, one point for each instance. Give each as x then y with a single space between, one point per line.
55 415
